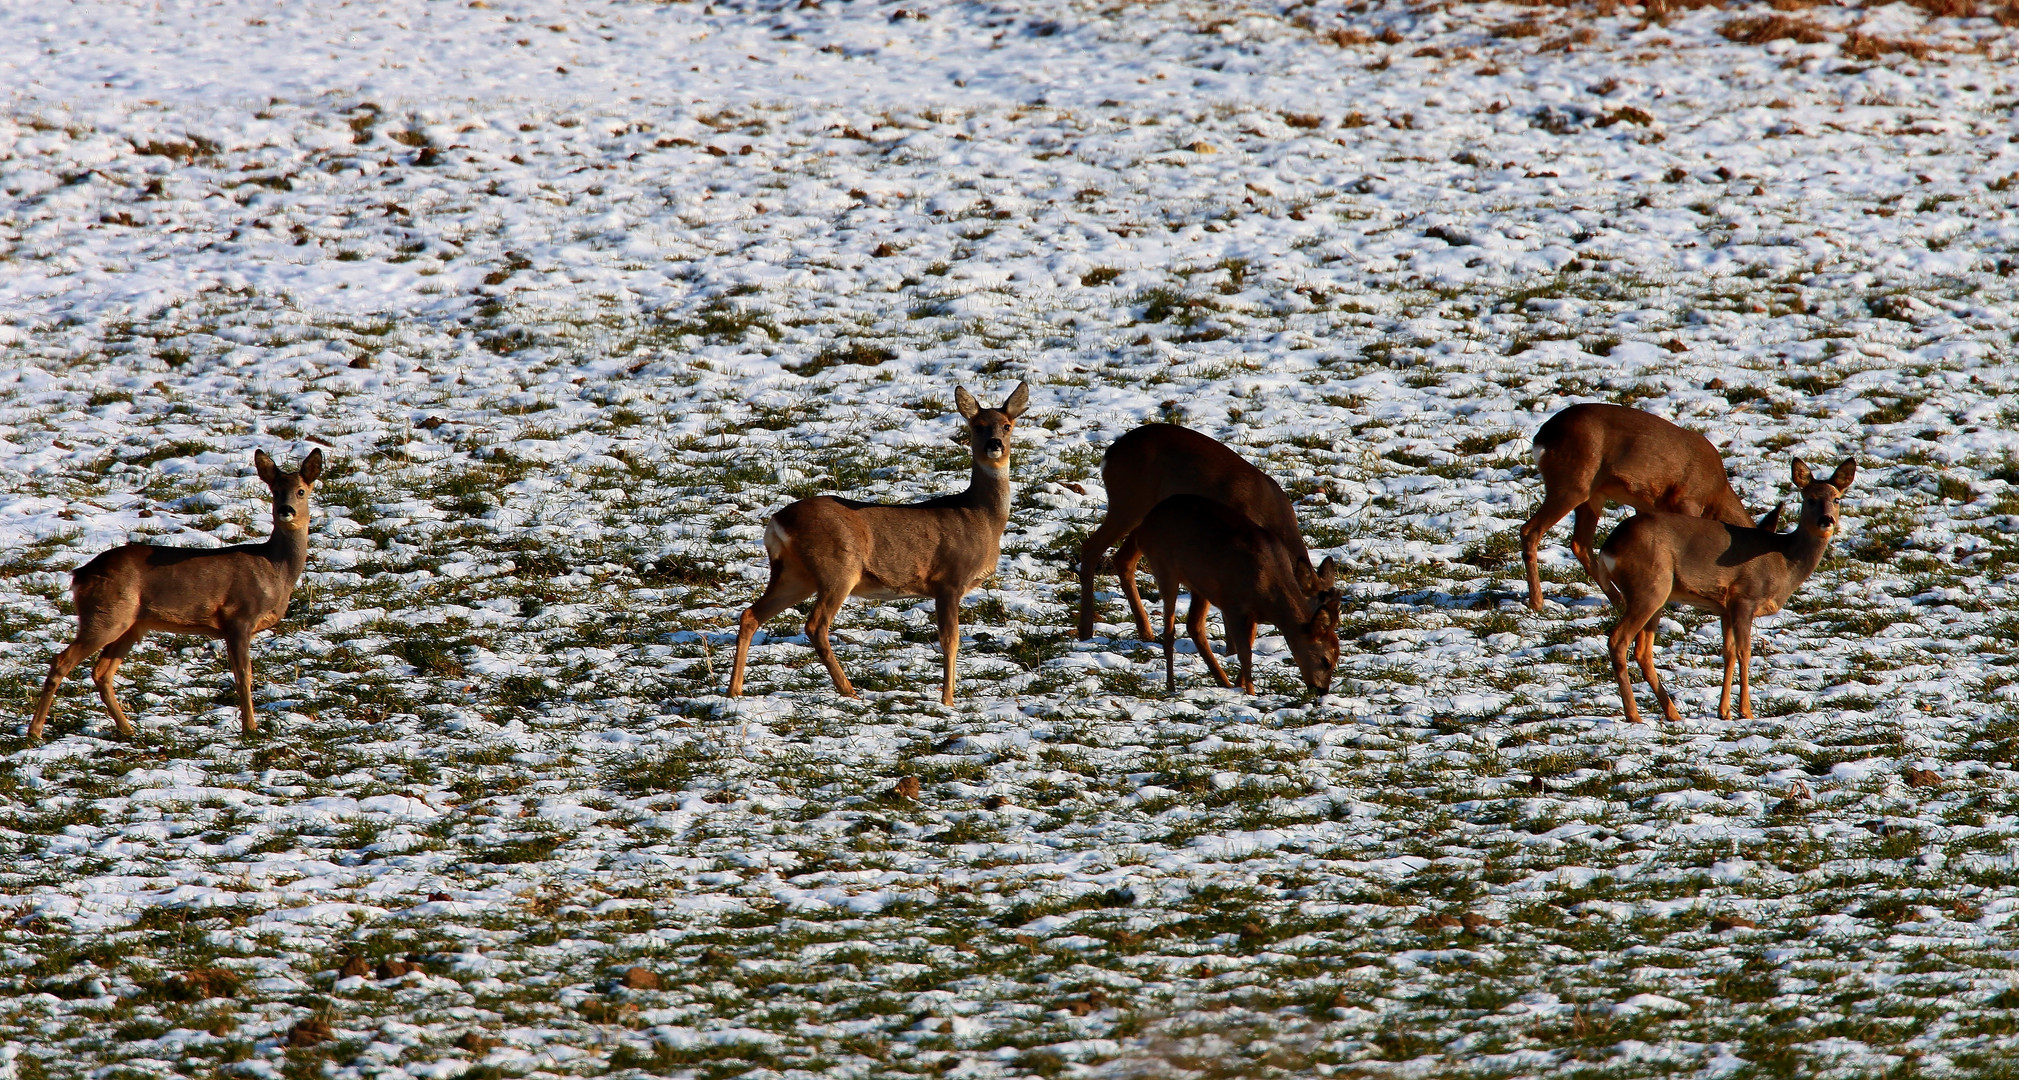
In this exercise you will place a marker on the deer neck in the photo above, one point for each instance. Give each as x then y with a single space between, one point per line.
287 549
989 489
1804 549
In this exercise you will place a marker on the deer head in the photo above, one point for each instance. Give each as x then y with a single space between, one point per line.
989 429
1819 497
1314 644
290 489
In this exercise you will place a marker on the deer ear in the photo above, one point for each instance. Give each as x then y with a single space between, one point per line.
1771 520
965 402
265 466
311 466
1847 472
1328 572
1019 400
1800 472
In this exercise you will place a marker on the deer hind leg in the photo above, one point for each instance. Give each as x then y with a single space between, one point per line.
91 637
1241 635
1584 529
1126 558
238 649
1555 504
1644 652
789 585
1195 621
1111 529
832 596
947 609
1634 614
106 668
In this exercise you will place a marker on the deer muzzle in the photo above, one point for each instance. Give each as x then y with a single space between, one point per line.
994 448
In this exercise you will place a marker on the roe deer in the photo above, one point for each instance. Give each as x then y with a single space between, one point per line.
834 548
1153 463
230 593
1224 558
1593 452
1654 559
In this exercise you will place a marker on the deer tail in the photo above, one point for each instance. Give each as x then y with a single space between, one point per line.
1602 565
776 542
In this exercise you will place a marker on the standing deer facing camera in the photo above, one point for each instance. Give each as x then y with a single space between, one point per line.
230 593
1654 559
1593 452
832 548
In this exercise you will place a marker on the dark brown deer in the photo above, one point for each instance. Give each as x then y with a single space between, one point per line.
1594 452
230 593
833 548
1224 558
1654 559
1153 463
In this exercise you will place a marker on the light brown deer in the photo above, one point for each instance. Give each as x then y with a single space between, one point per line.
230 593
1654 559
1593 452
1153 463
832 548
1226 559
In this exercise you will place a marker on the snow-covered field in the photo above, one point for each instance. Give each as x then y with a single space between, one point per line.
573 295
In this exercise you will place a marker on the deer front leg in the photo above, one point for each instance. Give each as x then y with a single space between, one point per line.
238 649
1616 646
1731 664
1169 592
947 608
1742 635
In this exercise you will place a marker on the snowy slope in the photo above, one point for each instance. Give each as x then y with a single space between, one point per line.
575 294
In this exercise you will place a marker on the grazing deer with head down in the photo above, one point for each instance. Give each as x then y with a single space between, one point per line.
230 593
1226 559
1654 559
1154 462
1593 452
832 548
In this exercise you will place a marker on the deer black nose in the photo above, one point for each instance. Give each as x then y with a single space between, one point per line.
994 447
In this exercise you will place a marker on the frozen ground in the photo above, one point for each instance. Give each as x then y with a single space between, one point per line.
574 295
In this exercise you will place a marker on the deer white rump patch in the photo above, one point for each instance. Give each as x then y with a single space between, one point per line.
774 539
1607 560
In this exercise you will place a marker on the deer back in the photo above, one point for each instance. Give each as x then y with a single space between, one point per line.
192 588
1637 459
1157 461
